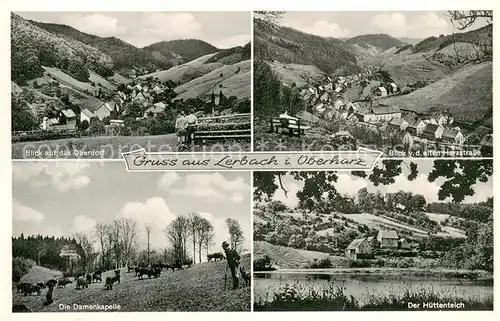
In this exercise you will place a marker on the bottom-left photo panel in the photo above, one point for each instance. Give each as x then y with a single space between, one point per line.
92 237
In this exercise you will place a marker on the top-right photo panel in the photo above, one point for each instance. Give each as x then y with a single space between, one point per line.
409 84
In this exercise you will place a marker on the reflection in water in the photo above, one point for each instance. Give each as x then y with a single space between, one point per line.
364 286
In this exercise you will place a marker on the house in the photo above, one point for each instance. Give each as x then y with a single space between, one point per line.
324 97
393 87
154 110
441 119
86 115
338 104
382 113
352 107
416 125
453 136
387 238
157 89
359 248
399 123
67 117
329 87
404 244
381 91
408 139
104 110
372 240
320 107
432 131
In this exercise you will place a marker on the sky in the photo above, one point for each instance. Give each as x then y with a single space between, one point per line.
64 197
221 29
412 24
350 185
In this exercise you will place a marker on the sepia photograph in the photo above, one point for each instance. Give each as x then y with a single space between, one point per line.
89 237
410 84
96 84
408 236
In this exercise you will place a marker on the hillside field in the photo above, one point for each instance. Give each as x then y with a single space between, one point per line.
200 288
467 93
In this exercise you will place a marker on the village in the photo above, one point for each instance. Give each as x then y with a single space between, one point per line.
400 132
140 106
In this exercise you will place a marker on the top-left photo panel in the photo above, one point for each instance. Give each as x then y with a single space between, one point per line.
94 85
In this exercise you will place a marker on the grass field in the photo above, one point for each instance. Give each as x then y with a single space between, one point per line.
295 73
95 78
467 93
234 82
283 257
112 146
67 80
200 288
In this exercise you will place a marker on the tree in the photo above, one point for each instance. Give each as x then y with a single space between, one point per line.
86 245
205 235
194 231
101 233
268 20
149 228
177 233
128 235
267 88
463 19
235 233
22 118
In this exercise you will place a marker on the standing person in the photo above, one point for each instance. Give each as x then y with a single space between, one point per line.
180 128
192 124
233 261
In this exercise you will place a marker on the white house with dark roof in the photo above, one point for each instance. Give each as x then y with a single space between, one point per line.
86 114
394 87
387 238
381 91
399 123
453 136
432 131
358 248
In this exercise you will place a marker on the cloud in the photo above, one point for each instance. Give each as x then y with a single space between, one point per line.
64 176
94 23
82 223
229 42
419 26
26 214
153 211
213 187
348 184
325 28
167 180
164 26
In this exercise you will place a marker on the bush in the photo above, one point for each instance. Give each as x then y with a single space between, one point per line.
20 267
263 264
321 264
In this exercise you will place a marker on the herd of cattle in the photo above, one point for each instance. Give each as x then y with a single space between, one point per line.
84 279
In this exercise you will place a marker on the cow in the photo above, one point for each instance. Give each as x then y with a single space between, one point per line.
51 283
149 271
108 285
88 278
41 285
61 283
215 256
174 266
97 276
20 287
245 275
81 284
131 268
31 288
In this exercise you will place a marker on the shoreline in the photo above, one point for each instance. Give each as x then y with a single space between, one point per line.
469 274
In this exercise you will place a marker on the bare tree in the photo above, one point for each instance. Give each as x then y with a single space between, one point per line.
129 233
86 245
195 224
114 236
177 233
464 19
149 228
204 232
101 232
235 233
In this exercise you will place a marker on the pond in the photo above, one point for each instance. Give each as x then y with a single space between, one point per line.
363 286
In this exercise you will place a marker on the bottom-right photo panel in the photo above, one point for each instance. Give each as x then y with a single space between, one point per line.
408 235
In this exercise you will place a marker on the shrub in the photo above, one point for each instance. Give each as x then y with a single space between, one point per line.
20 267
263 264
321 264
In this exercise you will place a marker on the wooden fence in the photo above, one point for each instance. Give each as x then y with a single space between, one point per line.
226 127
